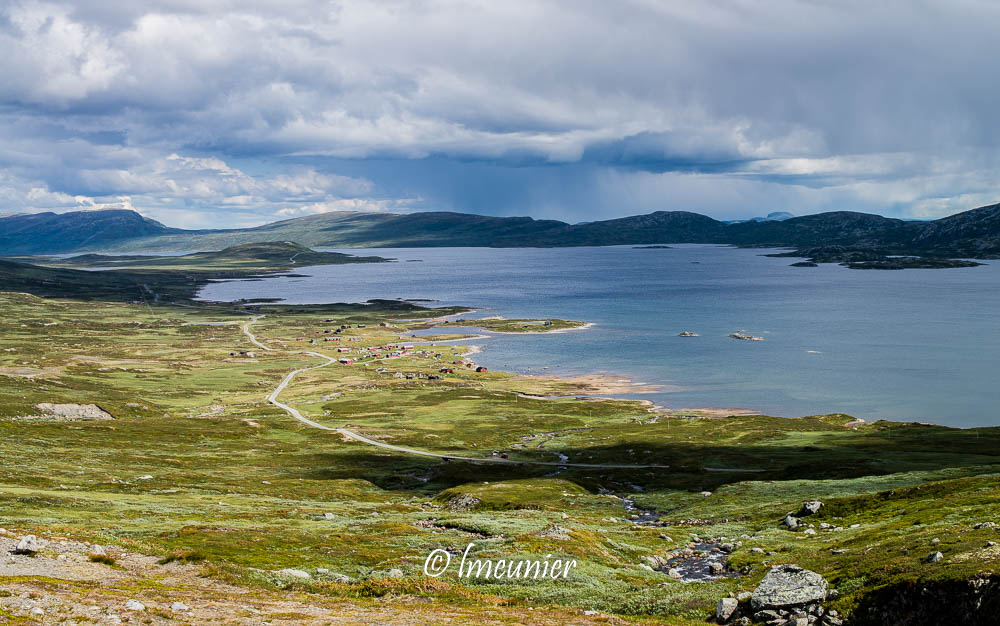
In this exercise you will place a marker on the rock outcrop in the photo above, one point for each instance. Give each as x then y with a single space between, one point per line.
73 411
810 507
788 586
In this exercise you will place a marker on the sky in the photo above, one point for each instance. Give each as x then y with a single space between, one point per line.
228 113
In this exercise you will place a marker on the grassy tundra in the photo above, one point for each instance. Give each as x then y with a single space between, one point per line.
197 473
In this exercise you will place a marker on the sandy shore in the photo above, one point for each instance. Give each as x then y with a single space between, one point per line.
602 384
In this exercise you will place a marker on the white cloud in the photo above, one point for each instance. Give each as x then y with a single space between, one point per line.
826 104
345 204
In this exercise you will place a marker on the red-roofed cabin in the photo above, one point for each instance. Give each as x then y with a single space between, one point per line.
480 369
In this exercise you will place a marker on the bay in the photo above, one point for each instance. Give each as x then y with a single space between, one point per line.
910 345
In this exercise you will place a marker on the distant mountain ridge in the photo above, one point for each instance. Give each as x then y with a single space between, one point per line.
35 233
974 233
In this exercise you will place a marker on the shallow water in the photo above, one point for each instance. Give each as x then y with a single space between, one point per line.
905 345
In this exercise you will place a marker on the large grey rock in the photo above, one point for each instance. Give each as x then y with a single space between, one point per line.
294 573
464 502
27 545
810 507
787 586
934 557
725 609
135 605
791 521
74 411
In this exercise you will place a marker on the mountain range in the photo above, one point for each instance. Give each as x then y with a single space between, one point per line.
828 236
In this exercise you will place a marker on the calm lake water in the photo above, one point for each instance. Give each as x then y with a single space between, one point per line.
913 345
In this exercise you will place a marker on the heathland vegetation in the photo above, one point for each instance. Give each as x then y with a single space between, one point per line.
143 428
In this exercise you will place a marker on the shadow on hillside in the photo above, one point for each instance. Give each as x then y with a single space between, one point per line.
694 467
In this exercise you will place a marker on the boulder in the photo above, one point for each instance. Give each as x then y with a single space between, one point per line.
715 568
294 573
934 557
395 573
725 609
788 586
791 521
179 606
27 545
135 605
555 532
655 561
767 615
810 507
74 411
464 502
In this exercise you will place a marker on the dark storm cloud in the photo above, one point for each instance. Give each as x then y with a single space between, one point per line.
219 112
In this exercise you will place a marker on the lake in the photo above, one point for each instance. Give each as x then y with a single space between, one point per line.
910 345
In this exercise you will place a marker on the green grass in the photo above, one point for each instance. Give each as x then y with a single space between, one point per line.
197 467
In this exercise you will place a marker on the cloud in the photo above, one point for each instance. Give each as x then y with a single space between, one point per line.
578 109
346 204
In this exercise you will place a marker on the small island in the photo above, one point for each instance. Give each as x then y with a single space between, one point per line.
501 325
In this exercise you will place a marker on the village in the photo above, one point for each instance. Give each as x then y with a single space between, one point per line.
376 353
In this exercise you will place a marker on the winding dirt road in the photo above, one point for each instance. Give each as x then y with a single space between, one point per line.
273 399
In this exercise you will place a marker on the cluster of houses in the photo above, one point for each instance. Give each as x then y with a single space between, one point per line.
389 351
467 364
383 352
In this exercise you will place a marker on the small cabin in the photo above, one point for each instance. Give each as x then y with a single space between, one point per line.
447 370
480 369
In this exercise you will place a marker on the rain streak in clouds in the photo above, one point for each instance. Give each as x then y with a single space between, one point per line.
230 113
